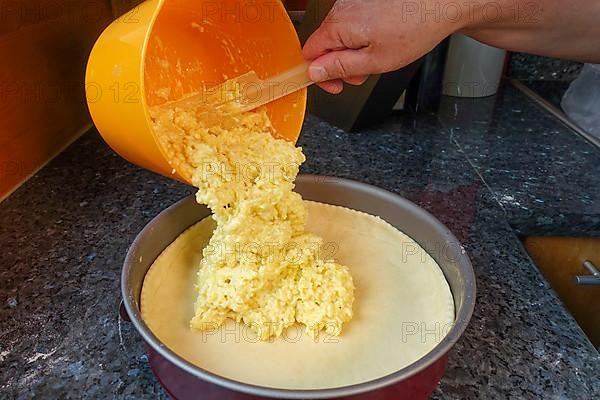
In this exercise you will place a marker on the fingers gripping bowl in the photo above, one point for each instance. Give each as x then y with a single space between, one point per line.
182 379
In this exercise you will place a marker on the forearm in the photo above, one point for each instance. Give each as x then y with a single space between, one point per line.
555 28
363 37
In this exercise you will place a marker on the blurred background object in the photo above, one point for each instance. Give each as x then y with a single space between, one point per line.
425 90
473 69
581 101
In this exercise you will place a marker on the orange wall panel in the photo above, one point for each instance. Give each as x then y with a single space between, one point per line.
44 45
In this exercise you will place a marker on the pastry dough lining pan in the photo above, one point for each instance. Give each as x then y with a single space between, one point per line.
182 379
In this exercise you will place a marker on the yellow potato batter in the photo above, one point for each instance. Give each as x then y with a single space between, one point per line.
261 266
404 308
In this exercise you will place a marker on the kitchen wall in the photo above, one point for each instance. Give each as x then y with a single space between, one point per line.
44 45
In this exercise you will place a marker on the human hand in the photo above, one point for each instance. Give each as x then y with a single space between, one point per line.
363 37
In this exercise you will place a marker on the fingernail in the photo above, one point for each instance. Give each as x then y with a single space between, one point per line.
317 73
337 87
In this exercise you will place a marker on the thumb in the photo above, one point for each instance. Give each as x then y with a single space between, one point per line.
341 64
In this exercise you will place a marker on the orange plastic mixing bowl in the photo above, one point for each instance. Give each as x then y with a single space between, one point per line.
165 49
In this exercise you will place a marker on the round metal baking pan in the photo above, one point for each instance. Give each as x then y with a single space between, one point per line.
183 380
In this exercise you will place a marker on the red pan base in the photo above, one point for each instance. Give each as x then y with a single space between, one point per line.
180 385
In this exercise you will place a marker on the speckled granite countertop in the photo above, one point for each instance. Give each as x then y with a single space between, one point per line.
530 67
487 168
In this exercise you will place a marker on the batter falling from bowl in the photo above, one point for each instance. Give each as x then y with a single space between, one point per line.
260 267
